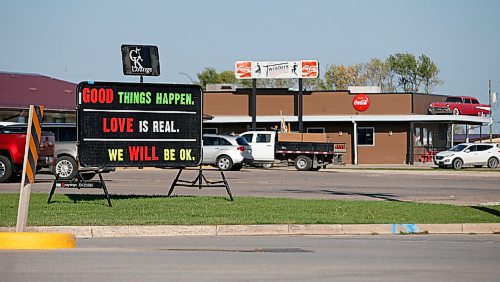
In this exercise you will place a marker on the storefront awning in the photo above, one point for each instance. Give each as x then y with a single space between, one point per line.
457 119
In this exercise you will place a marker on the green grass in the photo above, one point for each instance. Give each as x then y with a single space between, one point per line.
152 210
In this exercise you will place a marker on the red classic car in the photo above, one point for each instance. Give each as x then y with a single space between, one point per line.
460 105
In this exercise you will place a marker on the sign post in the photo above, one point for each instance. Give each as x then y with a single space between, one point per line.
34 132
280 69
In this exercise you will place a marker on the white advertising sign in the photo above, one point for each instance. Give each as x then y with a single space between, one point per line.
278 69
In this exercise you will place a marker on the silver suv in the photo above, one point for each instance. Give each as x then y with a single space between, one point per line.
66 165
226 152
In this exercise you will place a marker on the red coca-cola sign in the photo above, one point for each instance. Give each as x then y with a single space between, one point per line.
361 102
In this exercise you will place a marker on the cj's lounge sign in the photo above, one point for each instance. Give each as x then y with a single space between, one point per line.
140 60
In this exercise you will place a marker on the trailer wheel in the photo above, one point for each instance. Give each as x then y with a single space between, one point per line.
5 169
303 163
267 165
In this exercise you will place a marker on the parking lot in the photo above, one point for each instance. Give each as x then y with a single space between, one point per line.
465 187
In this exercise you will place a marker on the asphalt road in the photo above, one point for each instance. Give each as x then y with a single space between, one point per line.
279 258
466 187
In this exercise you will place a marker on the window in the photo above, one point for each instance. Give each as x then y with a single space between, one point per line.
418 136
62 133
241 141
221 141
210 130
248 137
474 101
366 136
454 100
67 134
12 129
483 147
208 141
315 130
467 101
263 138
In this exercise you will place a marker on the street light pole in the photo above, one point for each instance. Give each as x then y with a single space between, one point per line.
187 75
491 110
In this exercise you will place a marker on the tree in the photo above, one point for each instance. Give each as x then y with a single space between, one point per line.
412 72
314 84
339 76
208 76
405 66
428 71
227 77
377 73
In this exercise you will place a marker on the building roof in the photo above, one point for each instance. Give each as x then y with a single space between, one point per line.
460 119
20 90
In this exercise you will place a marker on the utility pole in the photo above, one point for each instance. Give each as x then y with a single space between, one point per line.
491 110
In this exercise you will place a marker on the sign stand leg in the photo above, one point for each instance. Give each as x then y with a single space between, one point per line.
175 182
105 190
53 189
201 181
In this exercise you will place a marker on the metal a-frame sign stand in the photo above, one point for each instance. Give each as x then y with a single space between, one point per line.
200 181
79 182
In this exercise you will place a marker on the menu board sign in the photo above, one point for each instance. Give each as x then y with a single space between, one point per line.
139 124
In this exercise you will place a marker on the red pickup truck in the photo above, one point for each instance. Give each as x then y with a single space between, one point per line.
460 105
12 146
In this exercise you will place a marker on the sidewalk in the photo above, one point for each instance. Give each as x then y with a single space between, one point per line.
267 230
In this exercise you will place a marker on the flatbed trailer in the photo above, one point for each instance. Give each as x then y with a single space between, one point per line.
306 151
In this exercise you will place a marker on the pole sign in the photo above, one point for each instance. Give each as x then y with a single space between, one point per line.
281 69
139 124
140 60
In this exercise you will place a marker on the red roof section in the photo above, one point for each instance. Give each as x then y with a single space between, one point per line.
19 90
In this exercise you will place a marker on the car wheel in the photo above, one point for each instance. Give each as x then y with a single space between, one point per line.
457 164
66 168
224 163
5 169
456 111
303 163
492 162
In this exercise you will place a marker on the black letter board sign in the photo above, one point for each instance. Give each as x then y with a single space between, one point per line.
140 60
139 124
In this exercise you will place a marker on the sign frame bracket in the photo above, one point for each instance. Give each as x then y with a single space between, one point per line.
201 181
81 183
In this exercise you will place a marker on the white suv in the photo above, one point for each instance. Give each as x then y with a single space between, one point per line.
469 154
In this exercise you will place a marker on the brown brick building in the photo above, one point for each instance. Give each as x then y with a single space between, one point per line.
395 129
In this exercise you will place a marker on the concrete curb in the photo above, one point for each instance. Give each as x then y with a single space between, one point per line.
267 229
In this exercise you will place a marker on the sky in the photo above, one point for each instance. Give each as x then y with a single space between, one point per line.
80 40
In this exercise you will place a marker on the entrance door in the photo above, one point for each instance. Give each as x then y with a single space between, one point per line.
263 146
